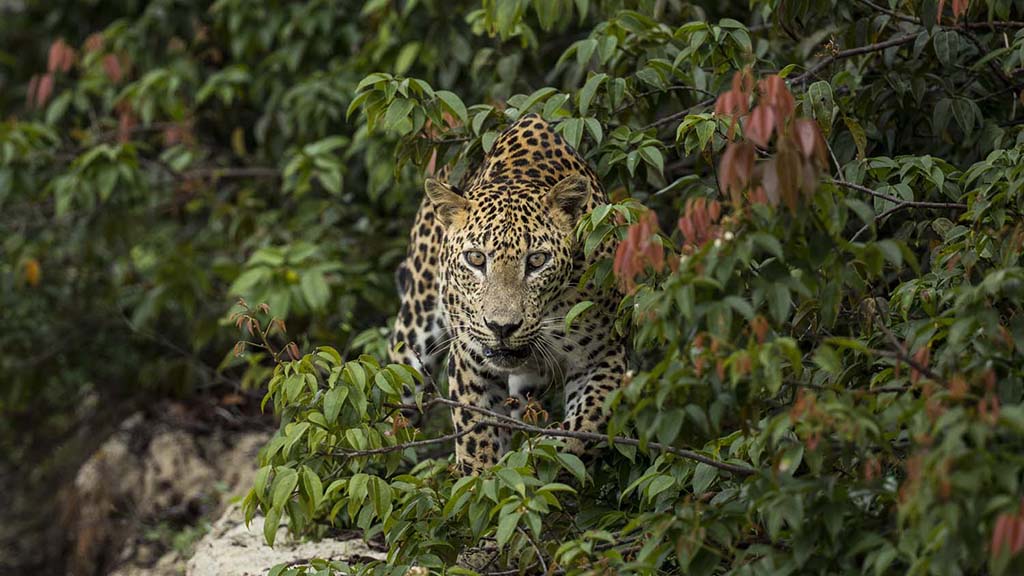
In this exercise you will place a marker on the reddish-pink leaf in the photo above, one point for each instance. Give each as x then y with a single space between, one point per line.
30 95
812 145
61 56
1017 542
776 95
94 43
760 125
640 248
112 67
44 90
788 169
960 7
125 123
770 182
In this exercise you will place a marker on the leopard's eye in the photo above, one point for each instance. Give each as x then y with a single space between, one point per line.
475 258
536 260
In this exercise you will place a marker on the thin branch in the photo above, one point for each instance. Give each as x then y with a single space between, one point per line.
536 549
510 423
893 13
895 200
900 204
901 350
677 115
594 437
404 445
233 172
994 25
453 140
642 95
1006 80
842 54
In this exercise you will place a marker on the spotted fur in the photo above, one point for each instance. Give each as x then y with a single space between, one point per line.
502 323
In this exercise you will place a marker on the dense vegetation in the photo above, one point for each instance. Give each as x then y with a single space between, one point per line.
821 212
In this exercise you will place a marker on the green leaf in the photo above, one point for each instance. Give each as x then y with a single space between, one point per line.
315 290
573 464
506 526
270 524
575 311
703 476
779 301
654 158
589 91
398 110
334 399
822 104
947 46
454 105
572 131
512 479
658 485
860 138
312 486
284 484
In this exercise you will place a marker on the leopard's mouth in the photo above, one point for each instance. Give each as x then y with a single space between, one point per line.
505 357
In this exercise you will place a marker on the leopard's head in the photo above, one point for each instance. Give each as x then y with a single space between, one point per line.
507 257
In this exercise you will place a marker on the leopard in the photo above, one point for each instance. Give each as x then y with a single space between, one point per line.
493 267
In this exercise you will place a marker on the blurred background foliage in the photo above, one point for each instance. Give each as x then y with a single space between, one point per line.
859 343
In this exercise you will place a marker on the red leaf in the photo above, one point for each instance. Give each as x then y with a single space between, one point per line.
788 169
776 95
94 43
125 124
112 67
1017 542
732 104
44 90
760 125
960 7
743 82
61 56
770 182
808 137
30 94
640 248
735 169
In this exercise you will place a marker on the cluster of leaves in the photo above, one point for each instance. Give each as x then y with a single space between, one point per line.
823 259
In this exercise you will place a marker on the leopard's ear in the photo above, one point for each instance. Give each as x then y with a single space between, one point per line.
447 201
570 195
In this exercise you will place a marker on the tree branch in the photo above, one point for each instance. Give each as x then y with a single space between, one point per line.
895 200
900 204
405 445
509 423
901 350
678 115
842 54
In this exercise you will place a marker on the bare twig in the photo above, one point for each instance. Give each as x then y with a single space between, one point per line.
536 549
452 140
895 200
842 54
677 115
901 350
893 13
510 423
900 204
405 445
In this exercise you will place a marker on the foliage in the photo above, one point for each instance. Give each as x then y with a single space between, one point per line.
819 207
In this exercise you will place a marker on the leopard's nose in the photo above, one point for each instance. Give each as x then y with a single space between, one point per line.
503 330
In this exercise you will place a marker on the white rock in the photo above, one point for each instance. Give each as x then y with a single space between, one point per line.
231 549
